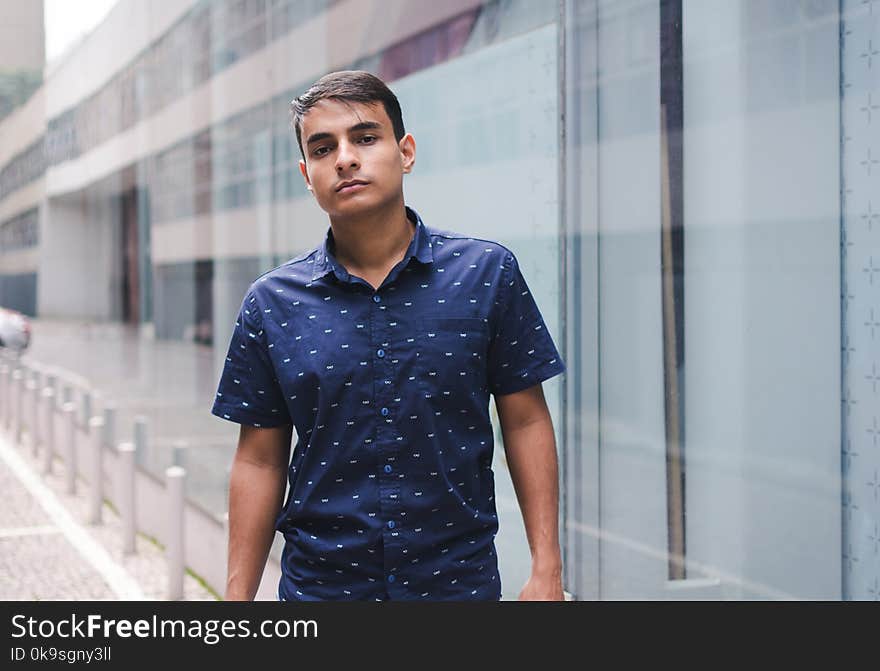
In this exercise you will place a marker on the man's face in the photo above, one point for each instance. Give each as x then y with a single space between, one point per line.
353 164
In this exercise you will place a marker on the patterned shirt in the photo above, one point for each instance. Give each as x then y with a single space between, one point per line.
391 486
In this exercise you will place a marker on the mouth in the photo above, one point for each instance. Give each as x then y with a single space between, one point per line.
353 185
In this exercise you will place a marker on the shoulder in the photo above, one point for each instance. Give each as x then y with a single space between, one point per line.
296 271
287 279
452 244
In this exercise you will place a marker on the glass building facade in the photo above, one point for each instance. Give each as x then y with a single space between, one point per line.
690 186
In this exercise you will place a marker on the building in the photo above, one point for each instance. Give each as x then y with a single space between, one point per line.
690 186
22 58
22 52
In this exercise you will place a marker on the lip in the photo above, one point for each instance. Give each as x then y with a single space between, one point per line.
351 186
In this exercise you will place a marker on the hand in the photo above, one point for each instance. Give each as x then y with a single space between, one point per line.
543 587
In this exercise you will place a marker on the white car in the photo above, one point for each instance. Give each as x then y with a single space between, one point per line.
15 330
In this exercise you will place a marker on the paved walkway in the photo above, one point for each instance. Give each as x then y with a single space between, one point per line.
48 553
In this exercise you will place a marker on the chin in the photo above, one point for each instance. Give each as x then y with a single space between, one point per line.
358 205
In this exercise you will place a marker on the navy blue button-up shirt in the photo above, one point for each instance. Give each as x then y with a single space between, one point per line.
391 486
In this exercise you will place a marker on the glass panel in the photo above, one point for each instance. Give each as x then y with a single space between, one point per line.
860 279
719 177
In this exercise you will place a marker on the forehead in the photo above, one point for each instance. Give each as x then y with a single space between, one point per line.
337 116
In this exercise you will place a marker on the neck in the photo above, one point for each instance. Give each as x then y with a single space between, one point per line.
373 240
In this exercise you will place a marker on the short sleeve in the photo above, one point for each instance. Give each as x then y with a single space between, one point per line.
522 352
248 392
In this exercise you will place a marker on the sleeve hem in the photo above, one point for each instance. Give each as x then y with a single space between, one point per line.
533 378
239 416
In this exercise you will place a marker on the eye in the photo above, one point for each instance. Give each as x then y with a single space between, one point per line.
368 139
320 151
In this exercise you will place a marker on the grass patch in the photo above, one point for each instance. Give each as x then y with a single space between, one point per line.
109 504
152 539
199 579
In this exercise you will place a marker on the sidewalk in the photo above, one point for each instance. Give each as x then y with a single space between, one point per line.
48 553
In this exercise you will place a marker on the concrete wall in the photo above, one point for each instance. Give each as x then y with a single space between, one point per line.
79 257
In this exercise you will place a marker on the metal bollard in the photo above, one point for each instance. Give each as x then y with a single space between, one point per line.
39 429
31 398
86 403
48 406
227 483
9 395
68 412
224 520
178 453
16 393
96 472
110 411
140 439
85 400
37 375
4 394
9 412
126 496
175 478
51 380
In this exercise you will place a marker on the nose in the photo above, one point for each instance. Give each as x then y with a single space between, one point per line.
346 157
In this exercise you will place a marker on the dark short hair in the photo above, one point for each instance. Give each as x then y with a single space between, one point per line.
356 86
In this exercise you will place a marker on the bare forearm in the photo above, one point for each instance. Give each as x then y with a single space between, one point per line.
531 458
255 497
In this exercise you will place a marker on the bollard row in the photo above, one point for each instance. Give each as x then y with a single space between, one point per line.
38 410
48 422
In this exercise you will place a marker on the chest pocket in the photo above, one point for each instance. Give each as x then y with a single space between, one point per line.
452 358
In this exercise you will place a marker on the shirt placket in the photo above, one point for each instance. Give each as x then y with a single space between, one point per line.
387 445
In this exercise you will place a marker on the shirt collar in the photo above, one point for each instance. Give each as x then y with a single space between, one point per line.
419 248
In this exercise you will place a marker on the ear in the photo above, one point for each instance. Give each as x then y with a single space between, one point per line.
305 174
407 146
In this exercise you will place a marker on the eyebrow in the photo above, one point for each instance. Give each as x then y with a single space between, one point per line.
363 125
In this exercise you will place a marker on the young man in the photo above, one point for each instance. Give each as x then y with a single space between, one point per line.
381 347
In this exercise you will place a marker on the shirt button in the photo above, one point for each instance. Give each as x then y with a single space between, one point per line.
380 353
391 524
391 578
385 412
387 468
377 298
